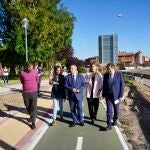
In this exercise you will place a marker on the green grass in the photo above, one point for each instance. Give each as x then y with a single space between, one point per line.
128 81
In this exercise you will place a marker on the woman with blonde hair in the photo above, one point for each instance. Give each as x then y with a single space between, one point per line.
93 88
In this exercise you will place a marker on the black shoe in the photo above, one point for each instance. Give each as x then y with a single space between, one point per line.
114 123
33 126
81 124
95 117
61 118
92 121
108 128
72 124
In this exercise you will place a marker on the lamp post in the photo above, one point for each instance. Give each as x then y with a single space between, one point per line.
25 24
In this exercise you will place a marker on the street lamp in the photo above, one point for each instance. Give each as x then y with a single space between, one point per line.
25 24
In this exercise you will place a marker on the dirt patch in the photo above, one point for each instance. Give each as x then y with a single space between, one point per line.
11 101
135 116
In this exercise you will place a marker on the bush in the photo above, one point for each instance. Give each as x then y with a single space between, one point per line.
128 81
82 70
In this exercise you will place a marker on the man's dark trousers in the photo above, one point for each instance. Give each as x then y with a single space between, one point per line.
110 103
76 106
30 101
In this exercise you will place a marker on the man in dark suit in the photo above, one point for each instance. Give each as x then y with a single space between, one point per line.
113 92
75 84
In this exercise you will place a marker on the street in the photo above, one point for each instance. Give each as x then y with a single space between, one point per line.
62 137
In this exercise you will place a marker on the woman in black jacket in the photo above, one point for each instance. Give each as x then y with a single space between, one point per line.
58 92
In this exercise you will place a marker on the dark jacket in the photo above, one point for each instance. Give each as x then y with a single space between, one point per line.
78 84
58 90
118 85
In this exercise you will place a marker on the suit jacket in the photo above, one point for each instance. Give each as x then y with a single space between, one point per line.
97 85
118 85
78 84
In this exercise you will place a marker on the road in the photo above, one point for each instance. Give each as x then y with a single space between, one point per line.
62 137
89 137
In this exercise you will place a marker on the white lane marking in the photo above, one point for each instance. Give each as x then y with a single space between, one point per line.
79 143
122 140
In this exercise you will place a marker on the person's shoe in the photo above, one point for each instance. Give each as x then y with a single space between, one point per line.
108 128
33 126
95 117
61 117
81 124
73 124
92 121
114 123
53 123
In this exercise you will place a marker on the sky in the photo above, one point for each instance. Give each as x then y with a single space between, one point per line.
99 17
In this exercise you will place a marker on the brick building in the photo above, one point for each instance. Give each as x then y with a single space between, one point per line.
133 58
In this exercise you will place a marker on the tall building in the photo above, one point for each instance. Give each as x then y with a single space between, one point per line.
108 48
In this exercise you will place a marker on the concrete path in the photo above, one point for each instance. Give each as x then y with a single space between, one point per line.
89 137
15 87
15 132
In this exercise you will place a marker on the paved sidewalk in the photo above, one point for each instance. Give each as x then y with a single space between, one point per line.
11 88
15 132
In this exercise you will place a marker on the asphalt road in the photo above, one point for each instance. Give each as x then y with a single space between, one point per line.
89 137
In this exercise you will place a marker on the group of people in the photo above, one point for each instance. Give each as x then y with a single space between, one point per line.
72 86
4 73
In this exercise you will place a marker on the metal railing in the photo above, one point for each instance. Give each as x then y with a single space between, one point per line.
139 77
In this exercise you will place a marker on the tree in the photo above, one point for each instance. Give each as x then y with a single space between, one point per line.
49 33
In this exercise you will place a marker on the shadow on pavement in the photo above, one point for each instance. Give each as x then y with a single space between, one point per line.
11 107
21 119
41 113
16 90
42 116
45 91
96 119
101 128
44 96
4 145
65 116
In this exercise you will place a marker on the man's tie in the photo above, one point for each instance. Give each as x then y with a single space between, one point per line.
110 83
73 77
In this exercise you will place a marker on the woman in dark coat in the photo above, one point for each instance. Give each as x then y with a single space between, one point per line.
58 92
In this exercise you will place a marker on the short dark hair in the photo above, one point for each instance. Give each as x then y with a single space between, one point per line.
73 65
28 63
110 65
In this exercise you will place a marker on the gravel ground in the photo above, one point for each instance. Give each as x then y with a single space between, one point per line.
135 117
8 101
14 100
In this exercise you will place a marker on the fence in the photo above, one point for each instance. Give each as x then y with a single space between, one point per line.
139 77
